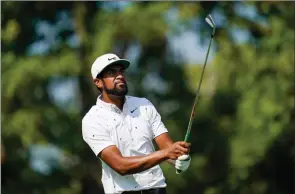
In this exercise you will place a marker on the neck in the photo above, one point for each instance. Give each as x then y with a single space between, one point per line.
116 100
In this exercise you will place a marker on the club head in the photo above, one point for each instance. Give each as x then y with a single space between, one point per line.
211 22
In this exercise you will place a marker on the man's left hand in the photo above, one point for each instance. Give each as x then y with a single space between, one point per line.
182 163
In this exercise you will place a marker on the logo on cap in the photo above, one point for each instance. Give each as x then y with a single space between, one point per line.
112 58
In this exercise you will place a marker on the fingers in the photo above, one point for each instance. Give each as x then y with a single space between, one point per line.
184 144
178 149
184 147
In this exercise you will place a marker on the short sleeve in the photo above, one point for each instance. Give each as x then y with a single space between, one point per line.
96 136
157 125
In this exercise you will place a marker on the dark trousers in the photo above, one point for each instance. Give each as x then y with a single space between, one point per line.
149 191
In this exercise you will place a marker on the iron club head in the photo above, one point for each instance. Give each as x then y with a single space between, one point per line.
211 22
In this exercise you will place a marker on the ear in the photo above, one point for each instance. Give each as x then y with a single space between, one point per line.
98 82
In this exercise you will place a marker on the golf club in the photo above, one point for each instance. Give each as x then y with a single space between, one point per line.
210 21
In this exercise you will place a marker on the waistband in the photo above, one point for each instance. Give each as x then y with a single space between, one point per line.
149 191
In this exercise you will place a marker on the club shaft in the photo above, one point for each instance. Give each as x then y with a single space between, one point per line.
188 132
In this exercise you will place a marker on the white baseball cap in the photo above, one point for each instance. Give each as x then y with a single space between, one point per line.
105 60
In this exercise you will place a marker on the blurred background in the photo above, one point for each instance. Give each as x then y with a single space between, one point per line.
243 137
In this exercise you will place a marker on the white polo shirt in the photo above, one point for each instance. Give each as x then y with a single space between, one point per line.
132 131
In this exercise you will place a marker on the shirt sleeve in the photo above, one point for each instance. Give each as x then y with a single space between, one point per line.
96 136
157 125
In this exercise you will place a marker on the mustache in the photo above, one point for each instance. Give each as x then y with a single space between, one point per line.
119 81
116 84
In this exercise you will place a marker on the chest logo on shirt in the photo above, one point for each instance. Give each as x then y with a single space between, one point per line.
133 110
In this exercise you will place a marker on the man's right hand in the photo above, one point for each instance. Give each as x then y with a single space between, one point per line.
177 149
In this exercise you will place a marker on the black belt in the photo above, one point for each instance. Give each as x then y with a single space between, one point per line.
149 191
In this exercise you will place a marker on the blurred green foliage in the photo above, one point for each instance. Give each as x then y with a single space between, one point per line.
243 134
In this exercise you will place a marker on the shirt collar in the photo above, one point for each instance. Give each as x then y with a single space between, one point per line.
112 107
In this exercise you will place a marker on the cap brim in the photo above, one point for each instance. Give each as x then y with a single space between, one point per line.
123 62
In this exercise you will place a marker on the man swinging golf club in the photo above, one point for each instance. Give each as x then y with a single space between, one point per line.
120 130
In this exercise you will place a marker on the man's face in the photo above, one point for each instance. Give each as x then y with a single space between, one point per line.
112 80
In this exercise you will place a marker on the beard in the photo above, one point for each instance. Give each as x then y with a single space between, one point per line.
116 91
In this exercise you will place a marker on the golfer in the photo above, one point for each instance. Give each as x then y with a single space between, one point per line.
121 129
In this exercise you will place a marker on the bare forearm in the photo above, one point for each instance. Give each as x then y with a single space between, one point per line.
135 164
